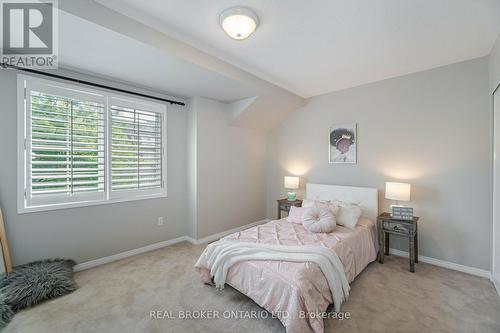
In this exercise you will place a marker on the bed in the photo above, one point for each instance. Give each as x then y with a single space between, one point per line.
297 293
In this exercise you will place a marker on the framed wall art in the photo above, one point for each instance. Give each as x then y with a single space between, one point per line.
343 144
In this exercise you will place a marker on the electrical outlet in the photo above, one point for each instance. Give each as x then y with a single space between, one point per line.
160 221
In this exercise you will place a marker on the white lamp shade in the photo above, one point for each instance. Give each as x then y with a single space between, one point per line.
397 191
239 22
291 183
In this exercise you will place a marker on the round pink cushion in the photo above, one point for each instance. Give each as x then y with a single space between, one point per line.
318 220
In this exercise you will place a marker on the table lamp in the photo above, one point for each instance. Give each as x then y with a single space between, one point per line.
291 183
397 192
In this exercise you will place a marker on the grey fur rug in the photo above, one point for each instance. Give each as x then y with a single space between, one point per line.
33 283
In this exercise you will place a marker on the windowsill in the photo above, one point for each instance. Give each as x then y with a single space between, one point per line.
80 204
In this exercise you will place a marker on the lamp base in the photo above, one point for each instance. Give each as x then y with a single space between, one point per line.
395 206
291 196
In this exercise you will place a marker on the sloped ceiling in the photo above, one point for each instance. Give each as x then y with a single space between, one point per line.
305 49
114 45
104 51
316 47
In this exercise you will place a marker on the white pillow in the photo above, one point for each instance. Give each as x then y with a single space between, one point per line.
307 203
348 215
318 220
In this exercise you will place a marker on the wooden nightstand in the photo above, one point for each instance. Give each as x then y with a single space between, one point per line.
284 205
387 225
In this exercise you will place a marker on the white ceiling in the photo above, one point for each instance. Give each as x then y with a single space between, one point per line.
91 48
314 47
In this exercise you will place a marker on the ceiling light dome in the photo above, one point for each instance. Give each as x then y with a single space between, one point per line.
239 22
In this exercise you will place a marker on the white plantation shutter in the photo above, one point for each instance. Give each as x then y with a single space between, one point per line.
80 146
65 146
136 148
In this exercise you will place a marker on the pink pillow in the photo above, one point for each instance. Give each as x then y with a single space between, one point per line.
332 206
295 214
322 204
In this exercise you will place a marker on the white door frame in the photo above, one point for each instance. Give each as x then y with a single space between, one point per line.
495 271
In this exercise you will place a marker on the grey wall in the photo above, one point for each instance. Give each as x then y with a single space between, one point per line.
494 82
230 170
192 163
89 233
495 65
496 197
431 129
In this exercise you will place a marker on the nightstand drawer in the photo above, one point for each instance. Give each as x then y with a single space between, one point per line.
400 228
285 207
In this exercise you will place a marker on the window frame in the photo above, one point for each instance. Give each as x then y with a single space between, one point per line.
24 83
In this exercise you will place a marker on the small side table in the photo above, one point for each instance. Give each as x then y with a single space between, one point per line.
387 225
284 205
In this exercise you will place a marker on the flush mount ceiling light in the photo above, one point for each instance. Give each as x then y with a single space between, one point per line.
239 22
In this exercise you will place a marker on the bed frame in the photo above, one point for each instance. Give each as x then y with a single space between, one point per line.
366 197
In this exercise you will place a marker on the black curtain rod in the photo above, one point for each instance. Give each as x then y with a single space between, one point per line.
97 85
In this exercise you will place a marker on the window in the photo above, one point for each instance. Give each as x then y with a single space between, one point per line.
80 147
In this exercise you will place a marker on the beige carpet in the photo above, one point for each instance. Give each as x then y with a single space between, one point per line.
118 297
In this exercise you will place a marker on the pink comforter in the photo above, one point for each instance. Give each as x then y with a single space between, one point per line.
298 293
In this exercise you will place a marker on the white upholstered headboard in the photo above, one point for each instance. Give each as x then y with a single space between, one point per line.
366 197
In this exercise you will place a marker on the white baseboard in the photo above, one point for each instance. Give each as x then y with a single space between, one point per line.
445 264
126 254
155 246
219 235
495 279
